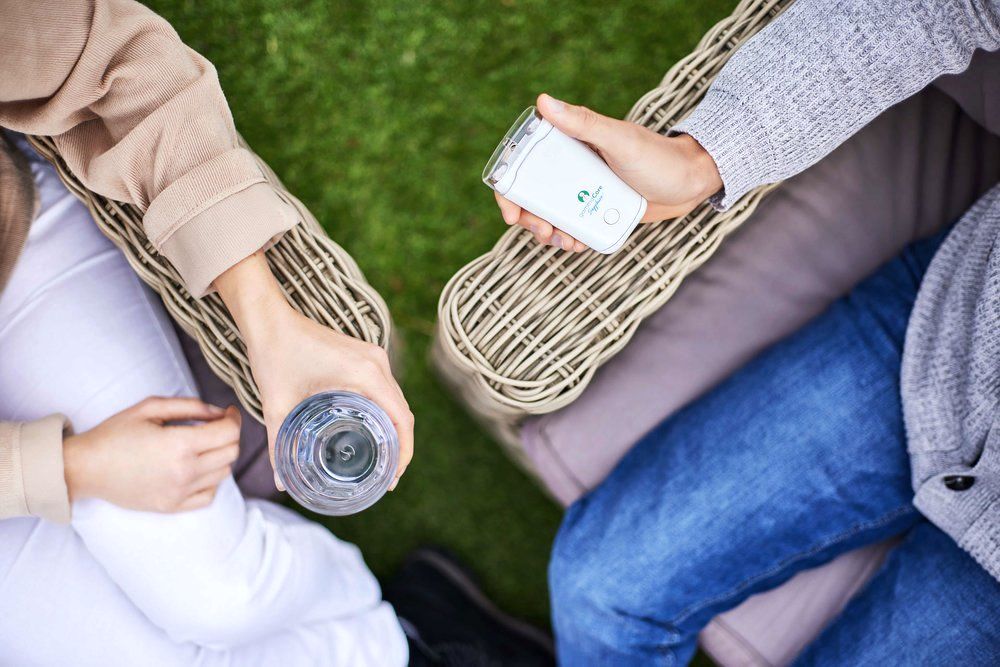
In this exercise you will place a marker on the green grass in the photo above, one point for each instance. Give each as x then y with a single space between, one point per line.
380 115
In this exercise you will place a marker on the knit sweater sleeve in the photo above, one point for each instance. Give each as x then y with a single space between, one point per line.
32 479
140 118
820 72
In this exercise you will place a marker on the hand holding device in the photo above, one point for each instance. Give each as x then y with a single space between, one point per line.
673 174
562 180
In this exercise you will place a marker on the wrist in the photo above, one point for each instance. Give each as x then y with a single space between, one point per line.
703 173
254 298
80 481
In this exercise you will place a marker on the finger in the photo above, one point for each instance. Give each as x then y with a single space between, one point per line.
508 209
211 480
221 431
578 122
382 361
273 418
542 229
217 458
562 240
402 403
578 246
387 371
197 500
545 233
406 422
272 434
402 420
163 409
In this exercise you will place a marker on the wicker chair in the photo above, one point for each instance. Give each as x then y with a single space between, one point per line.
503 347
522 330
317 276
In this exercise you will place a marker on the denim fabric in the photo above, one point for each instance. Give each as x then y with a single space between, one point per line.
796 458
931 604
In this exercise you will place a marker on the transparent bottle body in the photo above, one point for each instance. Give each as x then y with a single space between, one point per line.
336 453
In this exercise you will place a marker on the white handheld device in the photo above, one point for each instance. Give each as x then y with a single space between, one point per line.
562 180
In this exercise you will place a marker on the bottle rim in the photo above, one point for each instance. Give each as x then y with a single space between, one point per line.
299 436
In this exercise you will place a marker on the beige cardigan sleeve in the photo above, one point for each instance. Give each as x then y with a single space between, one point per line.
140 118
32 480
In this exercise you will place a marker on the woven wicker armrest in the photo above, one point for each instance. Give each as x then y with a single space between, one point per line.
522 329
318 278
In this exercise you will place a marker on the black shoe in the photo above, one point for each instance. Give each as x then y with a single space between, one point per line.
449 621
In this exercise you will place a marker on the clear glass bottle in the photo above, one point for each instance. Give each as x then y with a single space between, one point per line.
336 453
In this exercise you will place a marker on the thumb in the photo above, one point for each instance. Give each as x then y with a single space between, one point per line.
577 121
272 437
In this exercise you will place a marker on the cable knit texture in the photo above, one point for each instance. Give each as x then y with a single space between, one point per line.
951 385
793 93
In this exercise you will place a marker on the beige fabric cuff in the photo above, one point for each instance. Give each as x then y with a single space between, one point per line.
231 230
11 487
32 476
197 191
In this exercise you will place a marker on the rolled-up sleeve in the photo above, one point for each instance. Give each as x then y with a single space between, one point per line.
204 245
32 475
140 118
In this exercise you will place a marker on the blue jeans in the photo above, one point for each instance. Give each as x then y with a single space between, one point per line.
798 457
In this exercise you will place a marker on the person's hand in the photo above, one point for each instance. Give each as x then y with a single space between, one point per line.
142 459
674 174
293 357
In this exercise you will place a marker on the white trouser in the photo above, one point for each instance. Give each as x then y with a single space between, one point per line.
237 583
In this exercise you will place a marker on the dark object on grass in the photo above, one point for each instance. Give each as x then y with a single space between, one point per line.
450 622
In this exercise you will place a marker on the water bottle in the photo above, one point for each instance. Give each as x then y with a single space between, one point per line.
336 453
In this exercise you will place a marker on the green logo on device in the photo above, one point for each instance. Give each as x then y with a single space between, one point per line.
591 202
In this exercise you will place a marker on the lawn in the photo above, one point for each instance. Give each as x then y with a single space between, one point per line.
380 115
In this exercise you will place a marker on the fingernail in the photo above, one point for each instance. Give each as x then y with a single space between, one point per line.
215 409
556 240
394 483
555 105
277 483
567 243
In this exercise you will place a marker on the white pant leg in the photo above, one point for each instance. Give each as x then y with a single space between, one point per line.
80 334
58 606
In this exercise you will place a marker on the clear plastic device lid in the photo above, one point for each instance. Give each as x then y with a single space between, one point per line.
336 453
506 151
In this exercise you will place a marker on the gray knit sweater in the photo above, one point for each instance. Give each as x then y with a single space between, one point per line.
807 82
